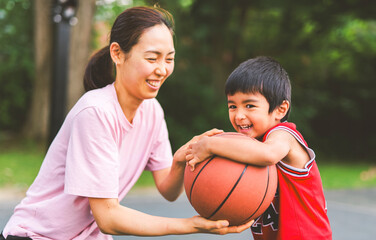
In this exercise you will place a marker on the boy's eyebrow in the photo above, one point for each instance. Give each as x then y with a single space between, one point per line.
250 100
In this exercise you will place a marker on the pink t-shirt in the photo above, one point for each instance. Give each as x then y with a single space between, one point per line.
97 153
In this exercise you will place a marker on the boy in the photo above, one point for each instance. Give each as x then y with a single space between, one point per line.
259 98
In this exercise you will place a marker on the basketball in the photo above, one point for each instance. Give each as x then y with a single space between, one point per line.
221 189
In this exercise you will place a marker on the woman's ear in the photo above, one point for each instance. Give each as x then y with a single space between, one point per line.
116 53
282 110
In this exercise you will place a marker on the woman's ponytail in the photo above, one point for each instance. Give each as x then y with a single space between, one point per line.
99 71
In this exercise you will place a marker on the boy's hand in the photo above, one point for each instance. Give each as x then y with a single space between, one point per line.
198 152
209 133
180 154
218 227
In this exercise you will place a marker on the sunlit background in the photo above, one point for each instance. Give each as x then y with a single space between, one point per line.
328 48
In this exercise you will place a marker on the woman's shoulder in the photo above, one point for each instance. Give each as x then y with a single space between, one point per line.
99 97
101 100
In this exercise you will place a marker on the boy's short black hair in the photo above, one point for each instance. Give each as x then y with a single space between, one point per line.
262 75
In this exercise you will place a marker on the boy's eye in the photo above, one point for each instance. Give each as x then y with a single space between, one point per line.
231 107
249 106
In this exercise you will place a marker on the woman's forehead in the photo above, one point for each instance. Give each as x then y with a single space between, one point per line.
157 36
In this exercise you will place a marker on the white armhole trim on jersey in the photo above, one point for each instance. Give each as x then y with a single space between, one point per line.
293 171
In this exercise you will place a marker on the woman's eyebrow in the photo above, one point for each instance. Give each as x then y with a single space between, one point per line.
158 52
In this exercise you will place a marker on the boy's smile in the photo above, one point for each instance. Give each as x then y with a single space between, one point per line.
249 114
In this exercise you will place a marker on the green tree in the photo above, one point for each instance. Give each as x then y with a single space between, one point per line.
16 62
326 46
37 125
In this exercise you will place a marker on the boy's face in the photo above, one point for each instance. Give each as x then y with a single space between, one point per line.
249 114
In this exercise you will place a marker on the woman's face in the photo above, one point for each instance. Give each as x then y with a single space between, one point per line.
142 71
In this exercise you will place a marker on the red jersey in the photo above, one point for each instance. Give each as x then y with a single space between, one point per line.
298 210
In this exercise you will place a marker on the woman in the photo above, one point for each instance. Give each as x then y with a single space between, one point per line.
113 133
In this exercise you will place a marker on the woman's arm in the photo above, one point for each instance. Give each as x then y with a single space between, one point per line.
249 151
169 181
115 219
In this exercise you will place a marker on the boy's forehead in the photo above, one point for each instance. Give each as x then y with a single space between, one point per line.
244 95
240 98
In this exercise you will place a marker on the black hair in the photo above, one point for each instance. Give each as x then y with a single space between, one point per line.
262 75
126 31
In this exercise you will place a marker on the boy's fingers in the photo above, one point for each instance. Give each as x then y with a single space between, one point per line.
212 132
195 139
192 164
188 157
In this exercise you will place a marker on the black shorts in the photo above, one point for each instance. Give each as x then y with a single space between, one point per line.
10 237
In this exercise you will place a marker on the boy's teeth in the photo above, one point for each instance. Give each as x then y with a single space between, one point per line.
244 126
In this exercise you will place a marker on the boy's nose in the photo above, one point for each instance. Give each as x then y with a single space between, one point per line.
240 115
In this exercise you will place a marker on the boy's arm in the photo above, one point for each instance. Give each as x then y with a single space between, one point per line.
169 181
250 151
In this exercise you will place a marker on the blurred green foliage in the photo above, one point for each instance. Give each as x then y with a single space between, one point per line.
16 62
327 47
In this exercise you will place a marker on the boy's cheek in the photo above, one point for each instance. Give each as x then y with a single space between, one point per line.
232 122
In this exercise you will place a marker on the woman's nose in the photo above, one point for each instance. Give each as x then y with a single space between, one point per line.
161 70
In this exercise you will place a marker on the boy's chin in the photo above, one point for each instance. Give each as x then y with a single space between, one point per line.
247 132
250 134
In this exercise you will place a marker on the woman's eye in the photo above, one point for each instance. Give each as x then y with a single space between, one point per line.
152 59
170 59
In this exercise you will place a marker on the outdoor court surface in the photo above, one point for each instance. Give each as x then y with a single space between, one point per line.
352 214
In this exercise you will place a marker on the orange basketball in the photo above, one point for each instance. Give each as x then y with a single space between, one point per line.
219 188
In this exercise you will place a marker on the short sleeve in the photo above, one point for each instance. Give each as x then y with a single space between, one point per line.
161 154
92 156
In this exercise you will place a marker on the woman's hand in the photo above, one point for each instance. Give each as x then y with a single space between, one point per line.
115 219
218 227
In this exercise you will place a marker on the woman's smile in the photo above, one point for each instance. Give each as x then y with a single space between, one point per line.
154 84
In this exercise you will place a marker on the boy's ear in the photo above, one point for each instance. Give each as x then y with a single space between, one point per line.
282 110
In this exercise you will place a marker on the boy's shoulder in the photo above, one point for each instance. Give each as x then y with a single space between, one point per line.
289 127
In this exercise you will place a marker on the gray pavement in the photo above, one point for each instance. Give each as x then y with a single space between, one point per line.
352 214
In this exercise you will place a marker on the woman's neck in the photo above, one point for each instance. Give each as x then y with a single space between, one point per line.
128 104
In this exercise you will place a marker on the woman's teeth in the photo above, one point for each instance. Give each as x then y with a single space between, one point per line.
154 83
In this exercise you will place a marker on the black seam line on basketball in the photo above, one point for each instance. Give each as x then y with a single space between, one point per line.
194 181
228 195
266 190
